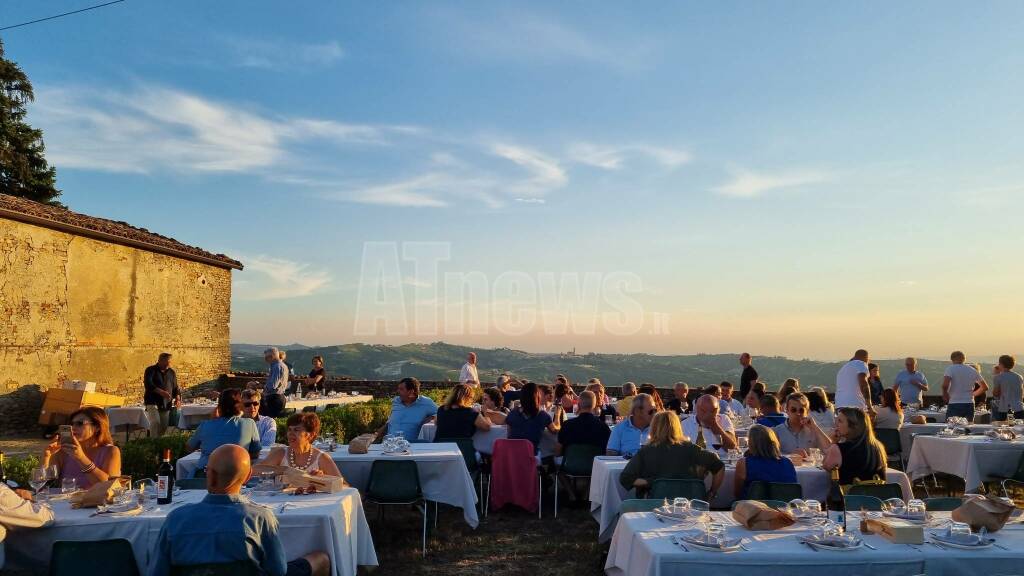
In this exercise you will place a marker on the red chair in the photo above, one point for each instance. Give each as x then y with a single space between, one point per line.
515 477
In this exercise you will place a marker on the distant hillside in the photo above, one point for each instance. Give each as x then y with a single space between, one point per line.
440 361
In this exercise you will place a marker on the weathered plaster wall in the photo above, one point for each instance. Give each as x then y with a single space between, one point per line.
76 308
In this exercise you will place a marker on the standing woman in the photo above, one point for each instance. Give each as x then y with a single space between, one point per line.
855 450
317 379
875 384
89 455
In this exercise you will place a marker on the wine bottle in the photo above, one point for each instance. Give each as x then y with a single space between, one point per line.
836 503
165 479
3 470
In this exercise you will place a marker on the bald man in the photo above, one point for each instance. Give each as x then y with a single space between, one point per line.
226 528
709 429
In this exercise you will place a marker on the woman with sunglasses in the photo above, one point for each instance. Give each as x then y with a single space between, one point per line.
88 455
265 425
300 453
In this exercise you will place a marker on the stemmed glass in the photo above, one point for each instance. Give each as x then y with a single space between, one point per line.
39 478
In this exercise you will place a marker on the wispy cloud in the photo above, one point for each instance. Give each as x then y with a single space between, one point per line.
272 278
615 157
281 54
748 184
545 172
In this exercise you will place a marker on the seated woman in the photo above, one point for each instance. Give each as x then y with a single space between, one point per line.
528 421
889 414
300 453
565 397
753 399
788 387
229 427
649 389
669 454
492 404
88 456
771 415
821 410
457 418
763 462
265 425
855 450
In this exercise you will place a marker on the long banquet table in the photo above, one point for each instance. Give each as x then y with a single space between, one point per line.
332 523
607 494
972 458
641 546
484 441
443 474
909 431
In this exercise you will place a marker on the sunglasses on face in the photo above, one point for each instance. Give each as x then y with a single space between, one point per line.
251 404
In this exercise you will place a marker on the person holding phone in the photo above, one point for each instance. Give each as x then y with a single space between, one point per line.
84 450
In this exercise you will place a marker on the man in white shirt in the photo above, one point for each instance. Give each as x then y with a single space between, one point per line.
707 428
468 375
18 511
852 390
958 387
728 404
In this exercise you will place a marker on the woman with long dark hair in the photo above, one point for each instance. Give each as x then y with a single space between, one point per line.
88 456
855 450
528 421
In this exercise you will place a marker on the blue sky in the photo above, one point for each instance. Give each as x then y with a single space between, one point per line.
790 178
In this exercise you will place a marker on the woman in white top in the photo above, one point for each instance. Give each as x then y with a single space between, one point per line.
300 453
822 412
889 414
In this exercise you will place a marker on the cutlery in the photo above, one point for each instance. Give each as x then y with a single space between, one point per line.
870 546
809 545
1000 546
679 543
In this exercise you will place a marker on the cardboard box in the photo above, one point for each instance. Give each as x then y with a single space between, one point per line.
80 385
897 531
59 404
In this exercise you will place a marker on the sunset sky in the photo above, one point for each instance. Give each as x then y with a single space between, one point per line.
796 178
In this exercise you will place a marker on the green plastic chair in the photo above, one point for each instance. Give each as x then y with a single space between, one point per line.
784 491
93 558
880 491
241 568
890 438
309 408
397 483
859 501
942 504
777 504
674 488
639 505
191 483
577 463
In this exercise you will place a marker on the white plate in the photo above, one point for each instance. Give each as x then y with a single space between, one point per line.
692 517
821 546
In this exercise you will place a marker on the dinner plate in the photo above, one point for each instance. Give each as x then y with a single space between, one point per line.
820 545
687 517
728 546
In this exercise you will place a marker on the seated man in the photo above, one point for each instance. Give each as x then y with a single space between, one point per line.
585 428
770 414
604 409
678 403
728 404
265 425
18 511
709 429
409 411
625 403
225 527
800 432
628 435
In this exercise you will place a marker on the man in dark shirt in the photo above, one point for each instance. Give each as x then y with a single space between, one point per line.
748 377
162 393
678 403
585 428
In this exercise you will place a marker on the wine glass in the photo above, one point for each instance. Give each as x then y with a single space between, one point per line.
38 479
52 475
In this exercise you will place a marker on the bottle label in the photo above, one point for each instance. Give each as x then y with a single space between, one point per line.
163 486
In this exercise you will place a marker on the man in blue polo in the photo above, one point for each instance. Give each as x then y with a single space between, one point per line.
409 410
628 435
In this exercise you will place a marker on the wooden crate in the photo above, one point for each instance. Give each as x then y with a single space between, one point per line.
60 403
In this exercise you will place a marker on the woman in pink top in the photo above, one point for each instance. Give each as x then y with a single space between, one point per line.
89 455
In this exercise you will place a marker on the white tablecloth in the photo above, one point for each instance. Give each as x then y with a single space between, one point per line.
133 416
607 494
908 431
191 415
332 523
972 458
641 547
484 441
443 474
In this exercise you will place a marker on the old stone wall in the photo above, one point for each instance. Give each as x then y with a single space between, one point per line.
76 308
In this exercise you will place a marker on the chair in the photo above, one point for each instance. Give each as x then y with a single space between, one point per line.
472 464
890 438
942 504
515 476
397 483
1014 490
675 488
191 483
880 491
639 505
309 408
860 501
93 558
777 504
577 463
784 491
240 568
329 406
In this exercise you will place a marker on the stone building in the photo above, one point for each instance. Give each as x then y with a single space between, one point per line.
85 298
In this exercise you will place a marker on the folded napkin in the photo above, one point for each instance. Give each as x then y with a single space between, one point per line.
754 515
838 541
983 511
99 493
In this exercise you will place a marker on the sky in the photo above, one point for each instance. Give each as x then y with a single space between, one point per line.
787 178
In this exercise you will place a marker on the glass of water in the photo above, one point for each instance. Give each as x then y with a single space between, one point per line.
813 507
68 485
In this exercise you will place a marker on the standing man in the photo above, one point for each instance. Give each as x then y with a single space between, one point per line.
958 389
276 384
852 390
468 374
162 393
911 383
1008 390
749 375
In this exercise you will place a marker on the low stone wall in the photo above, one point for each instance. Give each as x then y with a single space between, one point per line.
19 411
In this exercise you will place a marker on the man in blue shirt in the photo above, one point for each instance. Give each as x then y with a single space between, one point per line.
628 435
276 384
409 411
226 527
911 384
